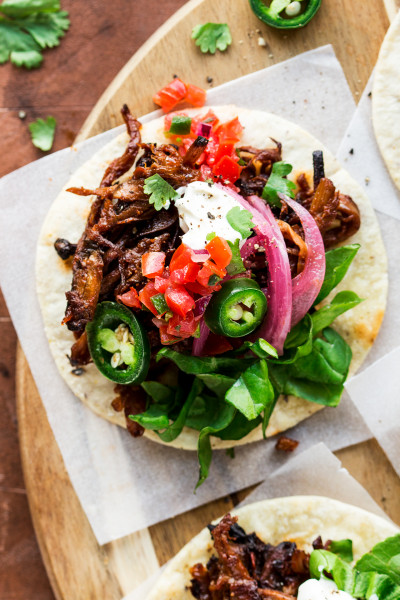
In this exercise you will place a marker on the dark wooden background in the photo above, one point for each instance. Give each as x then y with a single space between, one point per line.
102 37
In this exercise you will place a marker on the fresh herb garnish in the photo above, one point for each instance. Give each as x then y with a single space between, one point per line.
277 183
212 36
42 133
160 191
240 220
28 27
376 574
236 265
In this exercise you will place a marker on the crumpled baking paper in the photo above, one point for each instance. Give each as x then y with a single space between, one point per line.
126 484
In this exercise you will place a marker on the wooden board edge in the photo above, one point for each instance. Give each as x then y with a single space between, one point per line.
127 69
22 368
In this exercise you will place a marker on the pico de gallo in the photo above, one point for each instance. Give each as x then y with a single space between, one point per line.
197 280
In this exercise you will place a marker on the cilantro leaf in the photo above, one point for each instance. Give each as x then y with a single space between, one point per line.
27 28
18 47
240 220
236 265
42 133
160 191
211 36
22 8
277 183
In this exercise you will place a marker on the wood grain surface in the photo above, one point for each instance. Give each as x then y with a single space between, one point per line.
77 566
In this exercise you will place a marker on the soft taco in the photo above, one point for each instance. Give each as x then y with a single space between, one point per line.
386 100
205 281
305 547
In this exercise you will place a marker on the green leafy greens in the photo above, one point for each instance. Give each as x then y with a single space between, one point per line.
233 393
376 573
27 27
42 133
160 191
278 184
212 36
236 265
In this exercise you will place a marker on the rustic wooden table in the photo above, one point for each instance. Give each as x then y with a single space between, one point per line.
67 86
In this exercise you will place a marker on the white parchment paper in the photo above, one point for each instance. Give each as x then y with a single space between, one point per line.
314 472
124 484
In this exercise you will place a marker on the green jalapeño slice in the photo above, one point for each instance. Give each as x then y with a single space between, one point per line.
237 309
118 344
285 14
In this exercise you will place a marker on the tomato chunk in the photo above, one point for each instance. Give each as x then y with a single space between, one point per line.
231 130
227 169
145 296
153 264
210 274
182 255
179 300
161 283
195 96
170 95
182 327
188 273
130 298
220 251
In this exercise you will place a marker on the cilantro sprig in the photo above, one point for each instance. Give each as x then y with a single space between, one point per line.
160 191
42 133
27 27
277 183
212 36
240 220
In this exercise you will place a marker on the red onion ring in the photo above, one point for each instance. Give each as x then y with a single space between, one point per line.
276 324
307 284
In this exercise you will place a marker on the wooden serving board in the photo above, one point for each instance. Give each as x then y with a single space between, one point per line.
77 566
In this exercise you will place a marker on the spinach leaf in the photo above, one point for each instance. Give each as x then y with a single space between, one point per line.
319 376
328 361
160 393
203 411
342 302
175 428
299 342
377 576
252 392
204 450
219 384
154 418
238 428
337 261
199 365
384 558
343 549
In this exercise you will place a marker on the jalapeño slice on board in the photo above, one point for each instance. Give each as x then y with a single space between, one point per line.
285 14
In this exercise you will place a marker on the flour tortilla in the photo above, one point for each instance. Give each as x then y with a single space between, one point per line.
367 275
386 100
299 519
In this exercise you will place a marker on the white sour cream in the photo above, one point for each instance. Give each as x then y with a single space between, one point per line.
321 589
202 210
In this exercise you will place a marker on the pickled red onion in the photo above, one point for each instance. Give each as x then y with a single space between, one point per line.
306 285
200 342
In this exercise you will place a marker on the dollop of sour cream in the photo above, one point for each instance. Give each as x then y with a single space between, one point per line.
321 589
202 210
